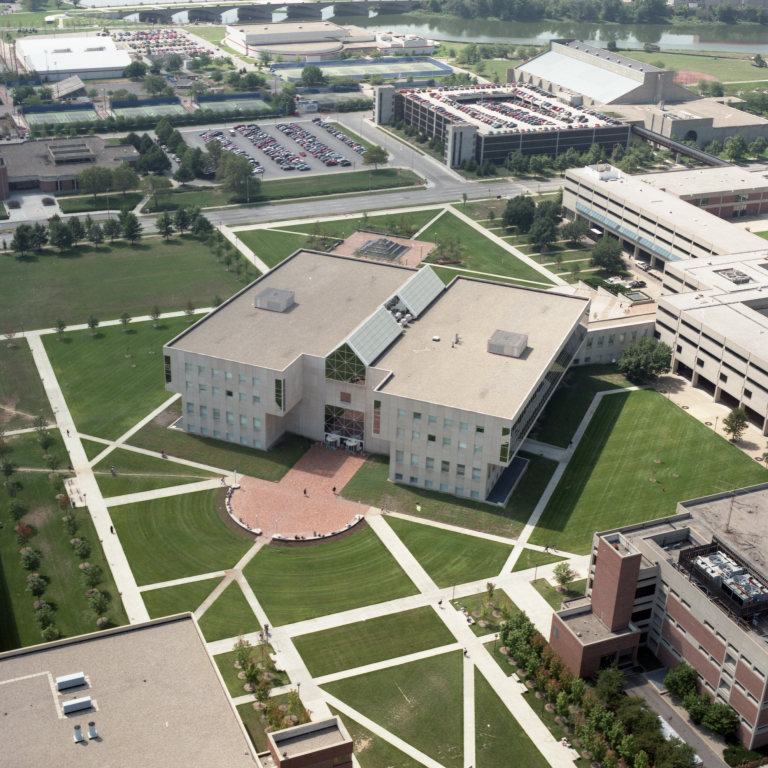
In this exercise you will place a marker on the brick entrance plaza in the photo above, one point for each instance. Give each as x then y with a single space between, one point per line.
262 504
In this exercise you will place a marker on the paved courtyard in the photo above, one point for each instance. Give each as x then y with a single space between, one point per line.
284 508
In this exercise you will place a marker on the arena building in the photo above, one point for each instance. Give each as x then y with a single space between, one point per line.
319 41
53 59
364 355
490 122
690 587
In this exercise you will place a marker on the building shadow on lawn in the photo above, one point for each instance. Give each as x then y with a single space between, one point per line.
9 633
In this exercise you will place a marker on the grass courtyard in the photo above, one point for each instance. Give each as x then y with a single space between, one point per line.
110 280
555 598
294 584
105 395
178 599
22 396
176 537
607 483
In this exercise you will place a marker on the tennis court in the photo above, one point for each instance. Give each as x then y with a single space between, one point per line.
387 69
152 110
231 104
60 118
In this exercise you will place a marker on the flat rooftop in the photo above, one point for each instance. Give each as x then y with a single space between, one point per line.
333 295
589 628
158 701
608 56
722 113
289 28
702 181
309 741
505 108
467 376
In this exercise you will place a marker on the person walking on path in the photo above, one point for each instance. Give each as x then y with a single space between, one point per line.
334 489
112 470
111 528
439 603
67 433
305 491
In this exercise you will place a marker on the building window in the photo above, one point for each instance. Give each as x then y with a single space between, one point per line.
699 362
679 349
215 390
242 397
463 425
479 430
598 358
414 460
478 449
611 337
202 388
445 466
589 342
216 414
634 335
398 476
203 412
227 375
430 438
432 419
459 491
748 394
168 369
622 338
444 487
600 341
242 379
255 381
203 431
462 445
229 393
430 463
257 443
399 457
415 435
215 371
377 417
280 394
190 427
642 615
417 416
587 359
230 417
191 408
217 433
414 480
401 413
243 421
504 450
257 424
401 432
345 397
230 438
256 399
188 366
723 377
201 369
447 423
475 473
429 484
344 365
243 441
474 495
446 442
189 385
460 470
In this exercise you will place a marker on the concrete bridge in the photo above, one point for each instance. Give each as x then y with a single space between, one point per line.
262 11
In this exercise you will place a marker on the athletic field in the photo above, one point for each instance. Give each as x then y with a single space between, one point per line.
154 110
60 118
230 104
387 69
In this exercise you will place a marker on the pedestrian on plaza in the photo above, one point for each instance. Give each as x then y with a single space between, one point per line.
465 651
546 549
663 490
334 489
223 481
112 470
305 491
67 433
111 528
439 603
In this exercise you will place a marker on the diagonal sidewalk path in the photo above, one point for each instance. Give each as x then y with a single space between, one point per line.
163 493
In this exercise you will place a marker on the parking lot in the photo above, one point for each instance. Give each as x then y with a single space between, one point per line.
292 148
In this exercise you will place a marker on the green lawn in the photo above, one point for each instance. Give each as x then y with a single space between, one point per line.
372 751
303 583
607 482
101 203
450 557
20 385
92 448
493 611
367 642
176 537
530 558
27 453
60 565
267 465
555 598
563 413
446 274
179 599
110 280
252 722
350 134
371 486
724 68
137 472
341 228
229 616
105 395
481 254
498 735
420 702
272 247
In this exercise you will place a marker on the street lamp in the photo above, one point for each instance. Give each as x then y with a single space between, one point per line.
454 590
494 644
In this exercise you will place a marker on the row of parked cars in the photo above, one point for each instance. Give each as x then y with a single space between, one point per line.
229 146
287 160
312 145
359 148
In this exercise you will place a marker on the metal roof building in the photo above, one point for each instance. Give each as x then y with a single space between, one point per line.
61 58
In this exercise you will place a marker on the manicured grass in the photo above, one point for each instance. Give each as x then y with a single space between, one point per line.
421 702
92 448
137 472
350 134
497 66
110 280
555 598
481 254
607 482
28 454
105 395
367 642
267 465
450 557
563 413
371 486
724 68
530 558
303 583
272 247
497 734
229 616
20 385
87 204
372 751
252 722
179 599
481 608
176 537
446 274
202 197
60 565
342 228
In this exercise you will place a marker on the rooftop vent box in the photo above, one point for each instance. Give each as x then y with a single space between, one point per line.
76 705
508 343
70 681
274 299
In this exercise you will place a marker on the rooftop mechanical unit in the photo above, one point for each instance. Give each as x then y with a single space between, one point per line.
508 343
275 300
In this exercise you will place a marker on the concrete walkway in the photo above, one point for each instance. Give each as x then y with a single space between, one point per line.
244 249
163 493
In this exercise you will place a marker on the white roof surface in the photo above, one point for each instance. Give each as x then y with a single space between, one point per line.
71 54
580 76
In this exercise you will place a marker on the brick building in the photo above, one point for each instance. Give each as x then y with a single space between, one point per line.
53 166
323 744
693 587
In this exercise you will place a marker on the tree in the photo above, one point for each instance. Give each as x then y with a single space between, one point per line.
59 235
154 313
236 176
721 718
519 212
124 178
697 706
243 651
21 242
607 254
312 75
59 326
164 224
135 70
189 310
610 682
681 680
93 323
96 233
153 160
163 130
735 423
76 229
155 187
39 236
575 269
153 84
182 219
645 359
30 561
95 179
93 576
376 156
125 318
574 231
563 574
542 233
17 509
37 586
112 229
183 174
82 549
757 147
537 165
132 228
736 148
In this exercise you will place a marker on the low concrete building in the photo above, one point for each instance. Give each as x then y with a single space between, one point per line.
323 744
375 356
60 58
53 165
691 587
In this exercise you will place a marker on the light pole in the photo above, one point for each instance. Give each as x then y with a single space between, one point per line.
494 644
454 591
